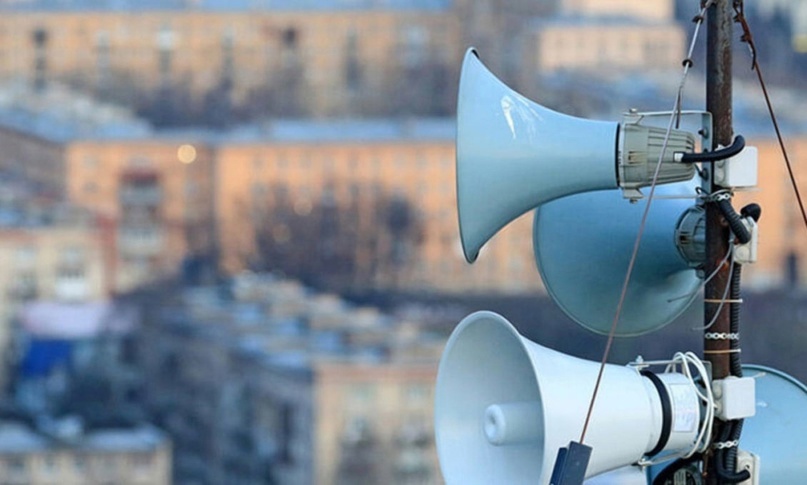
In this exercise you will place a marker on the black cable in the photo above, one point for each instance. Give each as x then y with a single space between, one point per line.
726 458
718 155
735 221
724 464
735 365
752 210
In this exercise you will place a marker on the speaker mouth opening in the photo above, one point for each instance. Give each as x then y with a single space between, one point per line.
485 389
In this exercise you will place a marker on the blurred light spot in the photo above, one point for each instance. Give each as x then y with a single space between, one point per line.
186 153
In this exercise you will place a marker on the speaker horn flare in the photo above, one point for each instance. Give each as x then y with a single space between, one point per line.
514 154
504 406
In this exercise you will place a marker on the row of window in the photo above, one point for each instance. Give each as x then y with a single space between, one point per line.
51 464
27 256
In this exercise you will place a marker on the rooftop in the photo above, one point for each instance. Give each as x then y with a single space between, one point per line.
323 329
222 5
16 437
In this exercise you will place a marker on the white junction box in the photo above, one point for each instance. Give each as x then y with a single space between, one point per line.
739 171
735 397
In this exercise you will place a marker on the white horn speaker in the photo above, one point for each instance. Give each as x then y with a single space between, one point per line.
583 244
514 154
504 406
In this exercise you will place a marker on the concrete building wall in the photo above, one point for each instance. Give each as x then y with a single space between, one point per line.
99 177
420 171
782 229
604 48
246 50
48 463
653 10
60 263
374 421
34 158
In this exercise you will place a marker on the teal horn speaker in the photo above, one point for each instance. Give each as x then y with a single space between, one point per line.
583 244
514 155
777 433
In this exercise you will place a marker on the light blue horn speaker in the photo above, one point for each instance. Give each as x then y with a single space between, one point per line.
514 154
583 244
778 431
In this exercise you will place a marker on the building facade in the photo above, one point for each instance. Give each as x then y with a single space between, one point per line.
140 456
603 46
251 193
321 58
782 255
360 165
63 261
654 10
166 196
282 385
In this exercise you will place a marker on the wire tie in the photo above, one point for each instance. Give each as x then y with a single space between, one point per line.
729 300
718 196
728 351
697 19
723 445
687 63
721 336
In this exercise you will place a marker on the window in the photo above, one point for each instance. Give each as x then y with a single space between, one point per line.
16 465
353 74
72 255
415 39
25 256
90 162
142 461
286 433
79 463
290 38
49 464
416 394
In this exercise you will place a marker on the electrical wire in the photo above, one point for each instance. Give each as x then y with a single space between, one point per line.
722 301
702 441
674 118
739 10
684 360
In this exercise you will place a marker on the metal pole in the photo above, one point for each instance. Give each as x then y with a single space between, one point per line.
718 102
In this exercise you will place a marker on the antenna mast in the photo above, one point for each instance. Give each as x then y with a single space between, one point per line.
718 102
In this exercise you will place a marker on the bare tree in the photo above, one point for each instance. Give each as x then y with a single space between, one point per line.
336 242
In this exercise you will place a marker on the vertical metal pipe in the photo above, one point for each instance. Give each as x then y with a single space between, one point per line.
718 102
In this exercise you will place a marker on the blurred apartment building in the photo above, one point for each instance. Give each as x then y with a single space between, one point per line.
70 414
168 194
150 200
138 456
49 251
782 252
317 57
172 193
267 382
320 57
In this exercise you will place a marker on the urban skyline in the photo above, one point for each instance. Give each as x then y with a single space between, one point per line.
230 231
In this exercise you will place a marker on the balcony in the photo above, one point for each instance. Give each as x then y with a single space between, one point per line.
140 240
149 195
71 286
